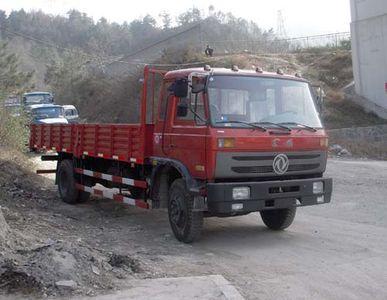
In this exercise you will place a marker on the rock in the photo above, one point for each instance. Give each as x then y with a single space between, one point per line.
345 152
49 242
107 266
4 228
90 292
95 270
70 284
336 149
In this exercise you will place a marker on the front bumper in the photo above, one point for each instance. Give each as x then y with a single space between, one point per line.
266 195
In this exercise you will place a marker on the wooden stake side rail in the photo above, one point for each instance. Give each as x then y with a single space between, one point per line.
123 142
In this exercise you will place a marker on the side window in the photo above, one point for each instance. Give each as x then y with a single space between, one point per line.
196 110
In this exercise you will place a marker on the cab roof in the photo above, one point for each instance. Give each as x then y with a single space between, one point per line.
224 71
36 106
36 93
68 106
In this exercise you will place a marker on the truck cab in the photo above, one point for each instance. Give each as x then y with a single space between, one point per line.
245 141
33 98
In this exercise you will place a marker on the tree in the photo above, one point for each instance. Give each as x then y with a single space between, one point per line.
12 80
166 19
192 15
3 24
13 132
64 77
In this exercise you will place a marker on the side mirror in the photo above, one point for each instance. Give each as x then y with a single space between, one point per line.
182 109
179 88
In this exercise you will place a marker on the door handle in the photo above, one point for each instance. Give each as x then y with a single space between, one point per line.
172 146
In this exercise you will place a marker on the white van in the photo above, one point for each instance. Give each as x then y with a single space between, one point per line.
71 113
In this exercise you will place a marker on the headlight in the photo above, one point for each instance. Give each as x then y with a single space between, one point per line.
241 193
318 187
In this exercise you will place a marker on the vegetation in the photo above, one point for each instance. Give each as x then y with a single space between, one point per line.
13 132
97 65
76 30
12 81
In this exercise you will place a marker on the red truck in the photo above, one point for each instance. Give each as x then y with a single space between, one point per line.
210 142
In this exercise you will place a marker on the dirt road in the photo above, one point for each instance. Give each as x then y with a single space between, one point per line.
334 251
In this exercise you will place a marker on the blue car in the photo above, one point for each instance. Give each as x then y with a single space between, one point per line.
47 114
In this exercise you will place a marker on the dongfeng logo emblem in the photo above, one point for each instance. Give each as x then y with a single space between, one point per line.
280 164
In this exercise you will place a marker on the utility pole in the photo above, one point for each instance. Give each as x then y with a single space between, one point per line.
281 31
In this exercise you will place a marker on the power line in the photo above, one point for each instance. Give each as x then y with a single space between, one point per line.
158 42
142 63
48 44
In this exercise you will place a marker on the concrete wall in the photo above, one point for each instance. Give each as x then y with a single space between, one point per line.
369 54
366 9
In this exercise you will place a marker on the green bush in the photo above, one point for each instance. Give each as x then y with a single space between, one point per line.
14 130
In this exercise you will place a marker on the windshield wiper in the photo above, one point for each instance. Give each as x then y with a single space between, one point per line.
242 122
274 124
301 125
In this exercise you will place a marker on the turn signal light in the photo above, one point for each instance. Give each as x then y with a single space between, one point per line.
324 142
226 143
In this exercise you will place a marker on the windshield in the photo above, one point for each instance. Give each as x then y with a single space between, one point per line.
48 112
37 99
236 100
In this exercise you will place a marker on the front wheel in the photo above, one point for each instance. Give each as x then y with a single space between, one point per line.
278 219
186 223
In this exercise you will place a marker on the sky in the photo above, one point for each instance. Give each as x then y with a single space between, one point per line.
300 17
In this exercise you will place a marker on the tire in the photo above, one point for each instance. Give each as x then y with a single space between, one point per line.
278 219
83 196
186 224
66 184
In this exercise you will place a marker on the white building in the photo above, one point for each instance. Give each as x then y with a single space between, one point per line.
369 53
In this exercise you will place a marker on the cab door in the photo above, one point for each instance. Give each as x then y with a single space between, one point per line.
187 134
163 122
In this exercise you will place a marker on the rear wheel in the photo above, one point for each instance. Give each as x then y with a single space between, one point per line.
83 196
278 219
66 184
186 223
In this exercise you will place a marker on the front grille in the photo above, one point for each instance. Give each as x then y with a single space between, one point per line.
260 164
271 157
306 167
261 169
269 169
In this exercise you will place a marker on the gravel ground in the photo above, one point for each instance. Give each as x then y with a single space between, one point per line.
333 251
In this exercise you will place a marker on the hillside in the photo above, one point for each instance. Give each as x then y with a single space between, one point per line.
96 65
